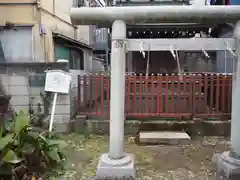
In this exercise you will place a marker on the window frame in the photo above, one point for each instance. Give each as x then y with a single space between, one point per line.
73 60
79 65
29 51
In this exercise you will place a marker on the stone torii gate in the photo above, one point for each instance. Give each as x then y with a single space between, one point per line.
116 163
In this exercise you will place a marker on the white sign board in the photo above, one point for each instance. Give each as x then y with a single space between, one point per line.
57 81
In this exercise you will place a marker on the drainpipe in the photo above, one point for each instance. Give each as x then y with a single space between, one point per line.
54 7
39 22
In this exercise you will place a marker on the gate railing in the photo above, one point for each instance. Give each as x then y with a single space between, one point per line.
172 96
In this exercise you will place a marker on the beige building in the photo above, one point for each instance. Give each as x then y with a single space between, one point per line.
41 30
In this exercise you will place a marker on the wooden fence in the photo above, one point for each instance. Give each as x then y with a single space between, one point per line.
162 96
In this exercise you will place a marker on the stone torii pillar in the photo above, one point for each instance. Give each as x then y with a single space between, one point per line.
229 162
116 163
236 97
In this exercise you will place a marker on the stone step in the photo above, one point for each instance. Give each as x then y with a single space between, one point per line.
164 137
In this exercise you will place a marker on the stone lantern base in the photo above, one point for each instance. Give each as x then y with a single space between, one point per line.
116 168
228 166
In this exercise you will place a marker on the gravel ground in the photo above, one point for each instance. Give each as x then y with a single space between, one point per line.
183 162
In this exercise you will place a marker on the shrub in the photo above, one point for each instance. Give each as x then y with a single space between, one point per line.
23 151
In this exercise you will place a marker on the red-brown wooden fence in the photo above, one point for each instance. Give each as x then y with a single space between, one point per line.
184 97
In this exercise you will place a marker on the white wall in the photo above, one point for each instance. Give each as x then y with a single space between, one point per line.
21 92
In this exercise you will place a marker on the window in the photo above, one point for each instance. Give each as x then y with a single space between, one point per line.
74 56
185 69
62 52
16 44
76 59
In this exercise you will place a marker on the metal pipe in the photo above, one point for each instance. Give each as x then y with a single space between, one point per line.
155 14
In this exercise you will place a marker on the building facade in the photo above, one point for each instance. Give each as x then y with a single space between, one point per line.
35 34
41 31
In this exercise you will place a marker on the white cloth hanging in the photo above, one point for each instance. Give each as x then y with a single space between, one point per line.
144 56
148 62
142 50
205 53
179 68
175 56
172 52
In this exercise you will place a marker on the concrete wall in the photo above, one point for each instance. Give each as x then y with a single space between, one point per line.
24 82
83 34
97 65
23 14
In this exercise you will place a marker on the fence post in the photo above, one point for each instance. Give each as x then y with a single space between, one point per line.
85 95
193 94
79 95
90 104
102 105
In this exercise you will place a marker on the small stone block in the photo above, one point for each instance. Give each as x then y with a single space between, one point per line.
164 137
228 167
116 169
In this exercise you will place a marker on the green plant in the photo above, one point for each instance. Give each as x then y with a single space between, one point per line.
37 115
21 148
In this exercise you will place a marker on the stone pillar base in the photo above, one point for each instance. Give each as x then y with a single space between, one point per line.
228 166
119 168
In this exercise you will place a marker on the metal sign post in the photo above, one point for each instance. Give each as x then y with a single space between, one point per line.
57 81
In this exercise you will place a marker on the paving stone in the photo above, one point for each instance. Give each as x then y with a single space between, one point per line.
164 137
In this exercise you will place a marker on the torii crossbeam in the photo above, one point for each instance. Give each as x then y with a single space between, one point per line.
155 14
116 162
